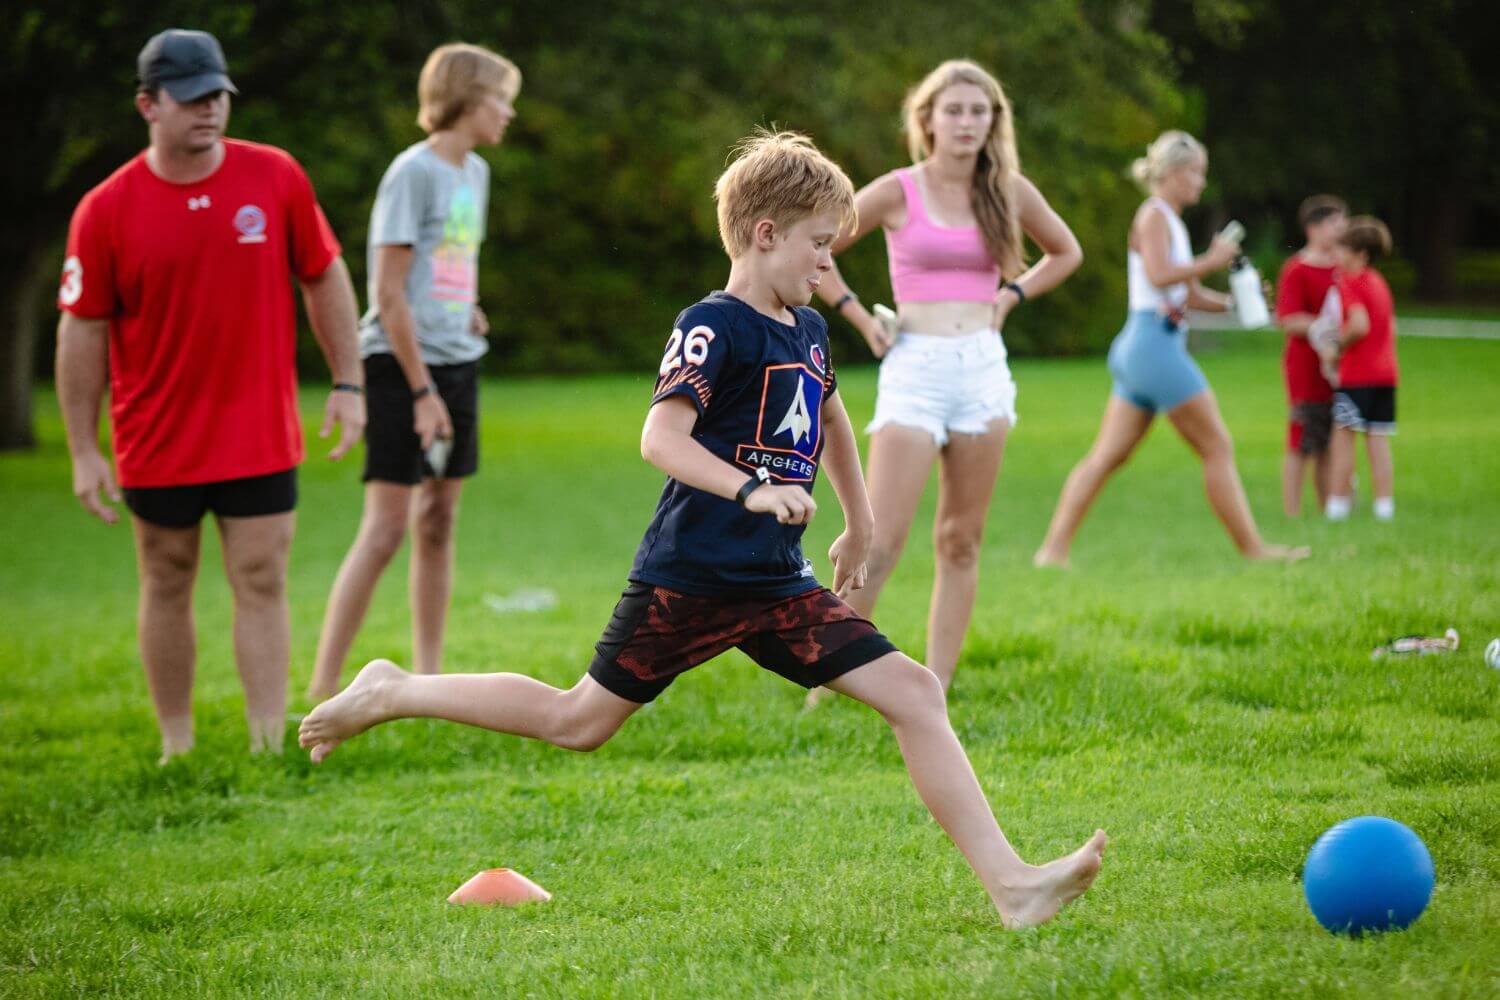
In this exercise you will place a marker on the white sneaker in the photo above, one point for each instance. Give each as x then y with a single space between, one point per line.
1338 508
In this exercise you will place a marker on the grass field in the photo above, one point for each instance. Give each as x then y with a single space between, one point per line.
1213 716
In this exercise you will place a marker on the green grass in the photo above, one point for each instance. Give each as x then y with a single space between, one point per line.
1214 716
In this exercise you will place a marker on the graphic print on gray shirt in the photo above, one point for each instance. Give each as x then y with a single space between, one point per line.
438 210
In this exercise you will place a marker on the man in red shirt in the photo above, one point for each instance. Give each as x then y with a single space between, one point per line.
175 292
1301 293
1365 402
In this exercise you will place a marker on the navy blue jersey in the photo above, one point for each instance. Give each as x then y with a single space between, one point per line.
759 387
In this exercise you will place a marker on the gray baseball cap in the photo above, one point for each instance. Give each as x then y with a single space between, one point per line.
189 64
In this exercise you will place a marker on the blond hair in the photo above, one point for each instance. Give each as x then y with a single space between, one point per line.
779 176
998 164
455 77
1171 150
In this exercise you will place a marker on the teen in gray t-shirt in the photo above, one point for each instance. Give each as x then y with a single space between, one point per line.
437 209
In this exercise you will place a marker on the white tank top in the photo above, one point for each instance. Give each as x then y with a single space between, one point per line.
1143 294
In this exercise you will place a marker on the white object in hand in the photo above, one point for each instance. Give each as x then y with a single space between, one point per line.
1492 653
437 455
888 320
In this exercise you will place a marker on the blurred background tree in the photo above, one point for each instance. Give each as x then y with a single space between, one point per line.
601 223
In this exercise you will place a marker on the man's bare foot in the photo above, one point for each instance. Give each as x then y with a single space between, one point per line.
358 707
1045 558
817 696
267 735
1284 553
1050 887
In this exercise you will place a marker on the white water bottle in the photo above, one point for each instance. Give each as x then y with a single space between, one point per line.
1249 297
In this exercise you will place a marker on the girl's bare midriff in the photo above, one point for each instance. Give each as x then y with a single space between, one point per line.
946 319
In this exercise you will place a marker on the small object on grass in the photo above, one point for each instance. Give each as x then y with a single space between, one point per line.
501 886
1492 653
1419 644
526 599
1369 873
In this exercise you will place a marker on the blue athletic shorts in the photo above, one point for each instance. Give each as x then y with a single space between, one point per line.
1150 363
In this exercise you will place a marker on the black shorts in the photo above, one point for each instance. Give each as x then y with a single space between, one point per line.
1370 409
656 634
1310 427
393 452
184 506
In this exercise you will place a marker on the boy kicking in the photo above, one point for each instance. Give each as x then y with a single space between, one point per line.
746 406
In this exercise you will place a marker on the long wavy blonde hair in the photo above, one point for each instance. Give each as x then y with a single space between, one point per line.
998 164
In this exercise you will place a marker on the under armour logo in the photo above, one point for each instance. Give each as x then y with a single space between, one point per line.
199 202
797 420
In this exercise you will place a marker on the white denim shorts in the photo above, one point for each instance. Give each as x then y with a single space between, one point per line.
945 385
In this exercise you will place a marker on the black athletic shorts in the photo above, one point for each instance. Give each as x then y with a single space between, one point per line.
656 634
184 506
393 452
1370 409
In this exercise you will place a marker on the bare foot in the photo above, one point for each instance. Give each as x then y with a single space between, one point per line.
1046 559
1285 553
817 696
361 705
1052 886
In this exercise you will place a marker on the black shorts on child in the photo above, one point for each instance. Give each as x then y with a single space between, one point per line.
1370 409
656 634
393 452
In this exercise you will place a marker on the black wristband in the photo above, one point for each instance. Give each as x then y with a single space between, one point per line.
752 484
1020 292
353 387
417 394
838 306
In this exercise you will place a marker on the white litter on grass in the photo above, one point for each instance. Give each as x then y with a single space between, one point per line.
527 599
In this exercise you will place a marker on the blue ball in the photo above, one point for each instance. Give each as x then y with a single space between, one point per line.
1367 874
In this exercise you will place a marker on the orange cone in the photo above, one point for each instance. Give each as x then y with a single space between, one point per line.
499 885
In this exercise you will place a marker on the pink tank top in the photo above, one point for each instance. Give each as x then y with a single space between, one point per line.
933 263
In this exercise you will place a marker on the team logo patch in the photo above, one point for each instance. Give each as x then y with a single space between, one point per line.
789 431
199 201
71 288
251 222
815 352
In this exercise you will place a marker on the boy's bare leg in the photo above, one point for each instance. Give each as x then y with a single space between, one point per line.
433 513
167 559
1123 427
255 560
382 528
1291 483
911 699
1382 466
580 718
1340 471
1322 477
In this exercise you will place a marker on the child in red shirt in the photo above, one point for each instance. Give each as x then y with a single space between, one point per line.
1301 291
1365 402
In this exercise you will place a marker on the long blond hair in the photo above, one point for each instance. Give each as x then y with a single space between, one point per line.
998 163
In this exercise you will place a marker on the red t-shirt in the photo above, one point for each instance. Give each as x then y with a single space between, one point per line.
1370 360
193 279
1301 288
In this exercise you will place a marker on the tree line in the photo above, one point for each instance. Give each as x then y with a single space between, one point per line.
601 223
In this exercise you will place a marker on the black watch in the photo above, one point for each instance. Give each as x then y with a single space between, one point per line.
752 484
417 394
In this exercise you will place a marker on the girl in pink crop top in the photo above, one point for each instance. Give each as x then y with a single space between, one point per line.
933 263
953 226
